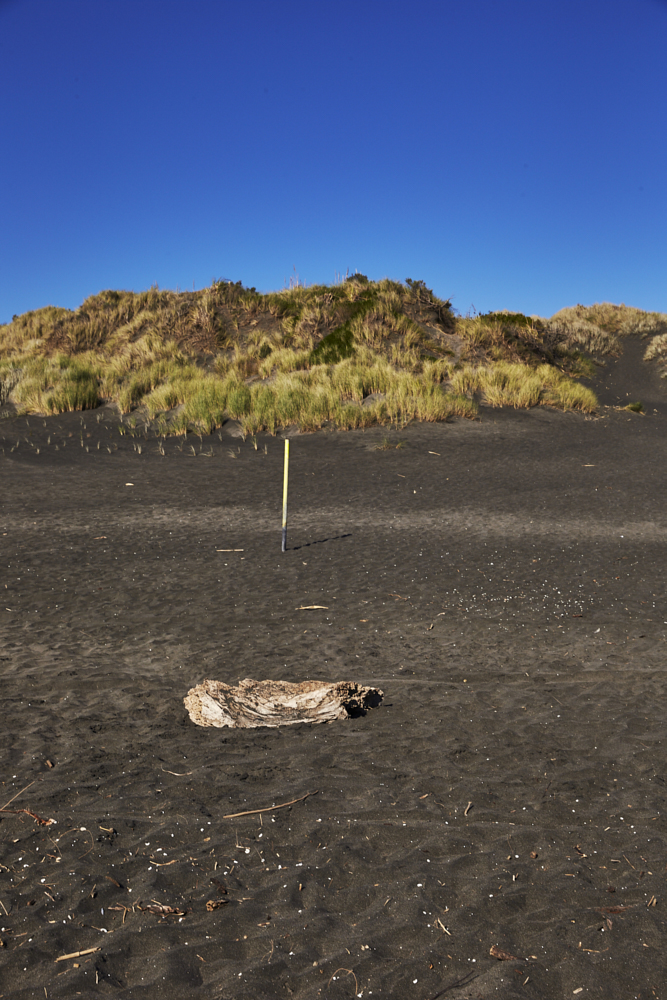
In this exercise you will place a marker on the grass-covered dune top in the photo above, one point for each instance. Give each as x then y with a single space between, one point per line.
352 354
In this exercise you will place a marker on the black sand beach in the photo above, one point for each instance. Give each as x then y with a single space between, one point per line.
503 581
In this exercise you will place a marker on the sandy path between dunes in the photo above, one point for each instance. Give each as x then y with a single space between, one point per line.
508 594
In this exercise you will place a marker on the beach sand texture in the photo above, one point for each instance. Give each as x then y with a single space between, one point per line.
502 581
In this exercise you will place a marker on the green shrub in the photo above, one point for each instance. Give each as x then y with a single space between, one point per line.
334 347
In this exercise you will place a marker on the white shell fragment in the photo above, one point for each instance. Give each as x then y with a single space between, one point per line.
276 703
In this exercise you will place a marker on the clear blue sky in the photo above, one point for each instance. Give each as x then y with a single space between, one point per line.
511 153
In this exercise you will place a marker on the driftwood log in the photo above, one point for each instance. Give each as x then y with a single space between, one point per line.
276 703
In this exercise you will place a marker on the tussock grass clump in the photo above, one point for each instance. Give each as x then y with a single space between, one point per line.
574 332
343 394
514 338
522 386
58 385
657 350
599 328
10 376
620 320
570 395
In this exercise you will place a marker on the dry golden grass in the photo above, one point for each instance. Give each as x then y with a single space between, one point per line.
521 386
599 328
616 319
657 351
574 332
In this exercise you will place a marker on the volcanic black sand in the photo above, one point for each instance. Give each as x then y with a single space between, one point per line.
503 581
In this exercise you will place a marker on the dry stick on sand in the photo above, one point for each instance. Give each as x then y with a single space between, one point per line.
17 795
28 812
161 909
266 809
77 954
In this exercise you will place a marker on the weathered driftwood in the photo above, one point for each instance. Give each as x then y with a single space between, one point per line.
276 703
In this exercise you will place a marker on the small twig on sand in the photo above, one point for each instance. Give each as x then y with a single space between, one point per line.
269 954
92 844
350 973
29 812
502 956
17 795
125 909
179 774
77 954
467 809
266 809
161 909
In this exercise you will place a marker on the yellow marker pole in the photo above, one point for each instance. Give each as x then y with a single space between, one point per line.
285 494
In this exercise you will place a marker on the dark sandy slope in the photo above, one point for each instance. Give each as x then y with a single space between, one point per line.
507 593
